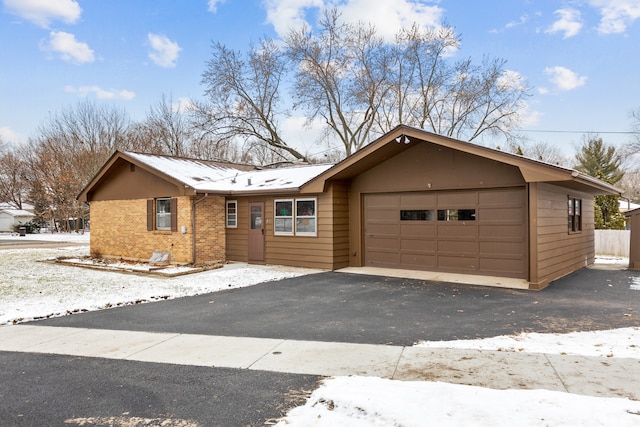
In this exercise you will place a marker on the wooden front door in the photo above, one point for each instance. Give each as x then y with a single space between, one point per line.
256 231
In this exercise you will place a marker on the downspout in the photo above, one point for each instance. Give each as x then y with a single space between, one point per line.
627 219
193 227
628 201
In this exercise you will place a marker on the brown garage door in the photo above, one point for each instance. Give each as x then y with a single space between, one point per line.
473 232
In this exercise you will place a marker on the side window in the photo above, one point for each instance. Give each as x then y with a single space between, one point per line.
306 217
232 213
574 214
163 214
283 221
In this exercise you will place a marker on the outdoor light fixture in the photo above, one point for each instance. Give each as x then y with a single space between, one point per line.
403 138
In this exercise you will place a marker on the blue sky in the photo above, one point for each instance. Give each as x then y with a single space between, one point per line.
582 57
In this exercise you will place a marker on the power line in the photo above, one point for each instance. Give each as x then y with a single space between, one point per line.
581 131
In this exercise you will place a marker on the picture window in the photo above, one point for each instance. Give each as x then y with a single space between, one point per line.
295 217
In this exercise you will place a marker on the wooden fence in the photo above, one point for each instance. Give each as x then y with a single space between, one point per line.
613 242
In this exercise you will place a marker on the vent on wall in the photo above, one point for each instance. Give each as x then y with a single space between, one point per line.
132 167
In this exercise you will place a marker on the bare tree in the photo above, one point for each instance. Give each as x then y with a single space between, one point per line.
342 77
542 151
634 145
630 183
89 132
168 128
55 180
462 99
68 151
359 86
244 97
13 182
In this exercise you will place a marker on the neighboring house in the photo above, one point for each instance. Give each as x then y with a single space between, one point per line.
626 205
9 218
408 200
634 248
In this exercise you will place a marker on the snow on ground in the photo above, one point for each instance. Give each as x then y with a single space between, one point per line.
31 289
371 402
624 342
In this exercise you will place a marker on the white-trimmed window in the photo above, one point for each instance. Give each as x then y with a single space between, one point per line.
306 217
283 217
295 217
163 214
232 213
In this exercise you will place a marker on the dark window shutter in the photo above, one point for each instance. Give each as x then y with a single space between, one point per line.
174 214
150 214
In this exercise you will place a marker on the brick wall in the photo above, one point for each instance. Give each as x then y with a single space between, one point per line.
119 230
210 227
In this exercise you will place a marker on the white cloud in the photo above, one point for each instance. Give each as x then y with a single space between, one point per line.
388 16
213 5
10 136
617 15
69 49
565 79
101 93
511 80
569 23
286 14
164 52
43 12
184 104
529 117
523 20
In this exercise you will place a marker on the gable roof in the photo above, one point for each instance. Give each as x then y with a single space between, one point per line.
404 137
201 176
17 213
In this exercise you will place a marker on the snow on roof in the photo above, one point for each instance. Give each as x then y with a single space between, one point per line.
625 205
16 212
219 177
8 205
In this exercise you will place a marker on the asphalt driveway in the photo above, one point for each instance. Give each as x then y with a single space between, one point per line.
58 389
341 307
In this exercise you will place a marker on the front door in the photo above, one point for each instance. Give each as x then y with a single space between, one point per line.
256 231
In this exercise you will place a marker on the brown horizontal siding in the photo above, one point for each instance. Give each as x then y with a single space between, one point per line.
558 251
328 250
237 238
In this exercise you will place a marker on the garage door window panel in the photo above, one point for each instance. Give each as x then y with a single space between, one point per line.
456 214
417 215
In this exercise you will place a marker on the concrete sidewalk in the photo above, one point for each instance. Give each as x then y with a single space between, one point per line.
593 376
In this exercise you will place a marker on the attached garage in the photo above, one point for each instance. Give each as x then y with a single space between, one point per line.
473 232
420 201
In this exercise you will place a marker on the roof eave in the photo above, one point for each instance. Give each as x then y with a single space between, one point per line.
83 196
